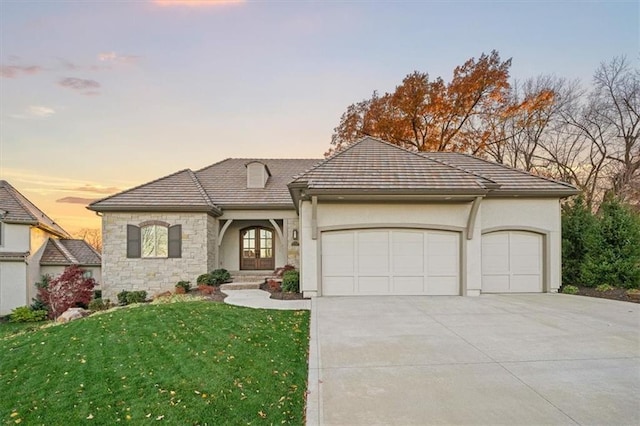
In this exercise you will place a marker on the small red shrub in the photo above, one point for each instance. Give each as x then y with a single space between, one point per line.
68 290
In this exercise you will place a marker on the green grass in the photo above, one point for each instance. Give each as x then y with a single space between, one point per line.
183 363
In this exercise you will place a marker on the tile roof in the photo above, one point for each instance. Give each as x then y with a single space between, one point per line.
20 210
226 181
510 180
177 191
69 252
221 185
374 165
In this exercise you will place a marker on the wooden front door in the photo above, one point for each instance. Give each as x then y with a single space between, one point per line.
256 249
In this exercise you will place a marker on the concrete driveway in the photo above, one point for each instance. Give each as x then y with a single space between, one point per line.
495 359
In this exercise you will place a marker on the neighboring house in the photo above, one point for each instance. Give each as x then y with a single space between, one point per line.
372 219
32 244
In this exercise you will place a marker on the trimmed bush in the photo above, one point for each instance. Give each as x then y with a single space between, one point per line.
570 289
130 297
604 287
291 282
186 285
26 314
100 304
220 276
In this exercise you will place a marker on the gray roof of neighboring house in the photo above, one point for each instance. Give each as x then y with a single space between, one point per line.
22 211
221 185
372 165
70 252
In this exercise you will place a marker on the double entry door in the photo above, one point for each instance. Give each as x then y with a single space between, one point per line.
256 249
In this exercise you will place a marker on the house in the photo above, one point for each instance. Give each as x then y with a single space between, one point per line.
32 244
373 219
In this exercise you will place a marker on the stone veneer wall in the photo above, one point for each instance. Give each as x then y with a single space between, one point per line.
152 274
212 244
293 249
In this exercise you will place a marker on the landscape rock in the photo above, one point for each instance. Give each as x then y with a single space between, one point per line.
72 314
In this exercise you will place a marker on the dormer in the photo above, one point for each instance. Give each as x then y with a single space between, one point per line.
257 174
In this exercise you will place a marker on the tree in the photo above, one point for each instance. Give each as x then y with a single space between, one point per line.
613 249
617 105
431 115
578 223
69 289
92 236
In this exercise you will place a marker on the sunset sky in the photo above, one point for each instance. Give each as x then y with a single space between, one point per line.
99 96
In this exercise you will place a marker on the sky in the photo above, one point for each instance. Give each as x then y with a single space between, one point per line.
100 96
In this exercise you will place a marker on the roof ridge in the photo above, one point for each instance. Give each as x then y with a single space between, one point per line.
22 200
480 175
504 166
200 188
65 251
137 187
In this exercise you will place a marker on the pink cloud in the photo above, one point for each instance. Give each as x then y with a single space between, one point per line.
114 57
13 71
87 87
195 3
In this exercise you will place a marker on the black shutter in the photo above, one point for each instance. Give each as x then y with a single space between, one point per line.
175 241
133 241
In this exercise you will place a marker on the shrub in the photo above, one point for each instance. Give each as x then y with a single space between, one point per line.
97 294
70 289
613 249
578 223
186 285
279 272
100 304
205 279
130 297
570 289
220 276
26 314
38 305
604 287
291 282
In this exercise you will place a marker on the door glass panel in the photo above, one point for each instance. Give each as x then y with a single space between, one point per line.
249 244
266 241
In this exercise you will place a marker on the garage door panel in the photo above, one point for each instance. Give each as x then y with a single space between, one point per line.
512 262
339 286
442 286
390 261
373 285
495 283
408 285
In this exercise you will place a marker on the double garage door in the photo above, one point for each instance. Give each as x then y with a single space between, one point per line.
390 261
426 262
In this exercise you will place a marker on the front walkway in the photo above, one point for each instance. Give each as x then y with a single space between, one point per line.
490 360
261 299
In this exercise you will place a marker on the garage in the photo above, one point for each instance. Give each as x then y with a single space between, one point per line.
390 261
512 262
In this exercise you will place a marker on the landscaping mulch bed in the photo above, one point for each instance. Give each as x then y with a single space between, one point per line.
614 294
278 294
216 296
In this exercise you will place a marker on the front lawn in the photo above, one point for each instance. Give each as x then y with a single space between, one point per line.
184 363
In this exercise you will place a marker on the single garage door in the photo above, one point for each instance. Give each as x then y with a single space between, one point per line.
390 261
512 262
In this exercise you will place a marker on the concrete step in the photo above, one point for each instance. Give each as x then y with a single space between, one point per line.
244 285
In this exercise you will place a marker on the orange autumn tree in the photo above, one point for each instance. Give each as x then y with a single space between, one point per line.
436 116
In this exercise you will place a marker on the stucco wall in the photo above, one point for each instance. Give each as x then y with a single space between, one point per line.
153 275
15 237
13 291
